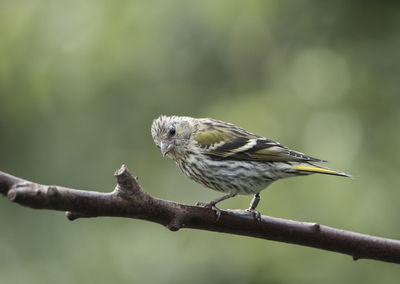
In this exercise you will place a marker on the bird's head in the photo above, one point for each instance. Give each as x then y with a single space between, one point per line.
172 134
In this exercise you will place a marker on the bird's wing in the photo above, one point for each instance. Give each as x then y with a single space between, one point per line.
229 142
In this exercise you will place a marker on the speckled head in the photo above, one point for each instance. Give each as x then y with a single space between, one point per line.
172 133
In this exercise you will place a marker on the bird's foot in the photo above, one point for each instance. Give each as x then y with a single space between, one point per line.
212 206
217 213
255 213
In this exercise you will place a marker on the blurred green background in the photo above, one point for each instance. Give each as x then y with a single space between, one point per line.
81 82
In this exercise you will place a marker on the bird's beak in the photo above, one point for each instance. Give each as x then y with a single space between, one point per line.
166 147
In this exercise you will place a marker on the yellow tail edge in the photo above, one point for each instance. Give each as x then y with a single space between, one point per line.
320 169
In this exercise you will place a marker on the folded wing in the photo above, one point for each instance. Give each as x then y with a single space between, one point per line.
229 142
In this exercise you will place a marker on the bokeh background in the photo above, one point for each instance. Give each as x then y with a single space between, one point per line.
81 82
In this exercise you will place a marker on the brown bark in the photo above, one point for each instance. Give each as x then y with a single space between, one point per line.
129 200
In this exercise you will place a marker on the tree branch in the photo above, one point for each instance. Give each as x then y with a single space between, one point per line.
129 200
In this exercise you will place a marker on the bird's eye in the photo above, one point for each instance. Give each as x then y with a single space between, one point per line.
172 131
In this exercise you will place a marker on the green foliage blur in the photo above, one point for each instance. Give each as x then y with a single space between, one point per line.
81 82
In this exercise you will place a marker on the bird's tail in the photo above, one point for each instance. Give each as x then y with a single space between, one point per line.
313 168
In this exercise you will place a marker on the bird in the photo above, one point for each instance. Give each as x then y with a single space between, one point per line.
227 158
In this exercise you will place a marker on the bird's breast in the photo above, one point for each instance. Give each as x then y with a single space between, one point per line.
228 176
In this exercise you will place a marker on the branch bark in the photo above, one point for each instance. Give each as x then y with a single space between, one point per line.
129 200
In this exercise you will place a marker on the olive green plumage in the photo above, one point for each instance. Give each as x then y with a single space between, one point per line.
227 158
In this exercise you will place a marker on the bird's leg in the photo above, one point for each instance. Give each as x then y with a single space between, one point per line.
213 202
253 205
254 202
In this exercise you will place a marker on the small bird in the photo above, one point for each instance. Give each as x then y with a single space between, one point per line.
229 159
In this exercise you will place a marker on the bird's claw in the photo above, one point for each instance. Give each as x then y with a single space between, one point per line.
212 206
217 213
255 213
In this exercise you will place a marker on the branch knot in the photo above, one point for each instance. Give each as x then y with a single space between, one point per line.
177 222
127 183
